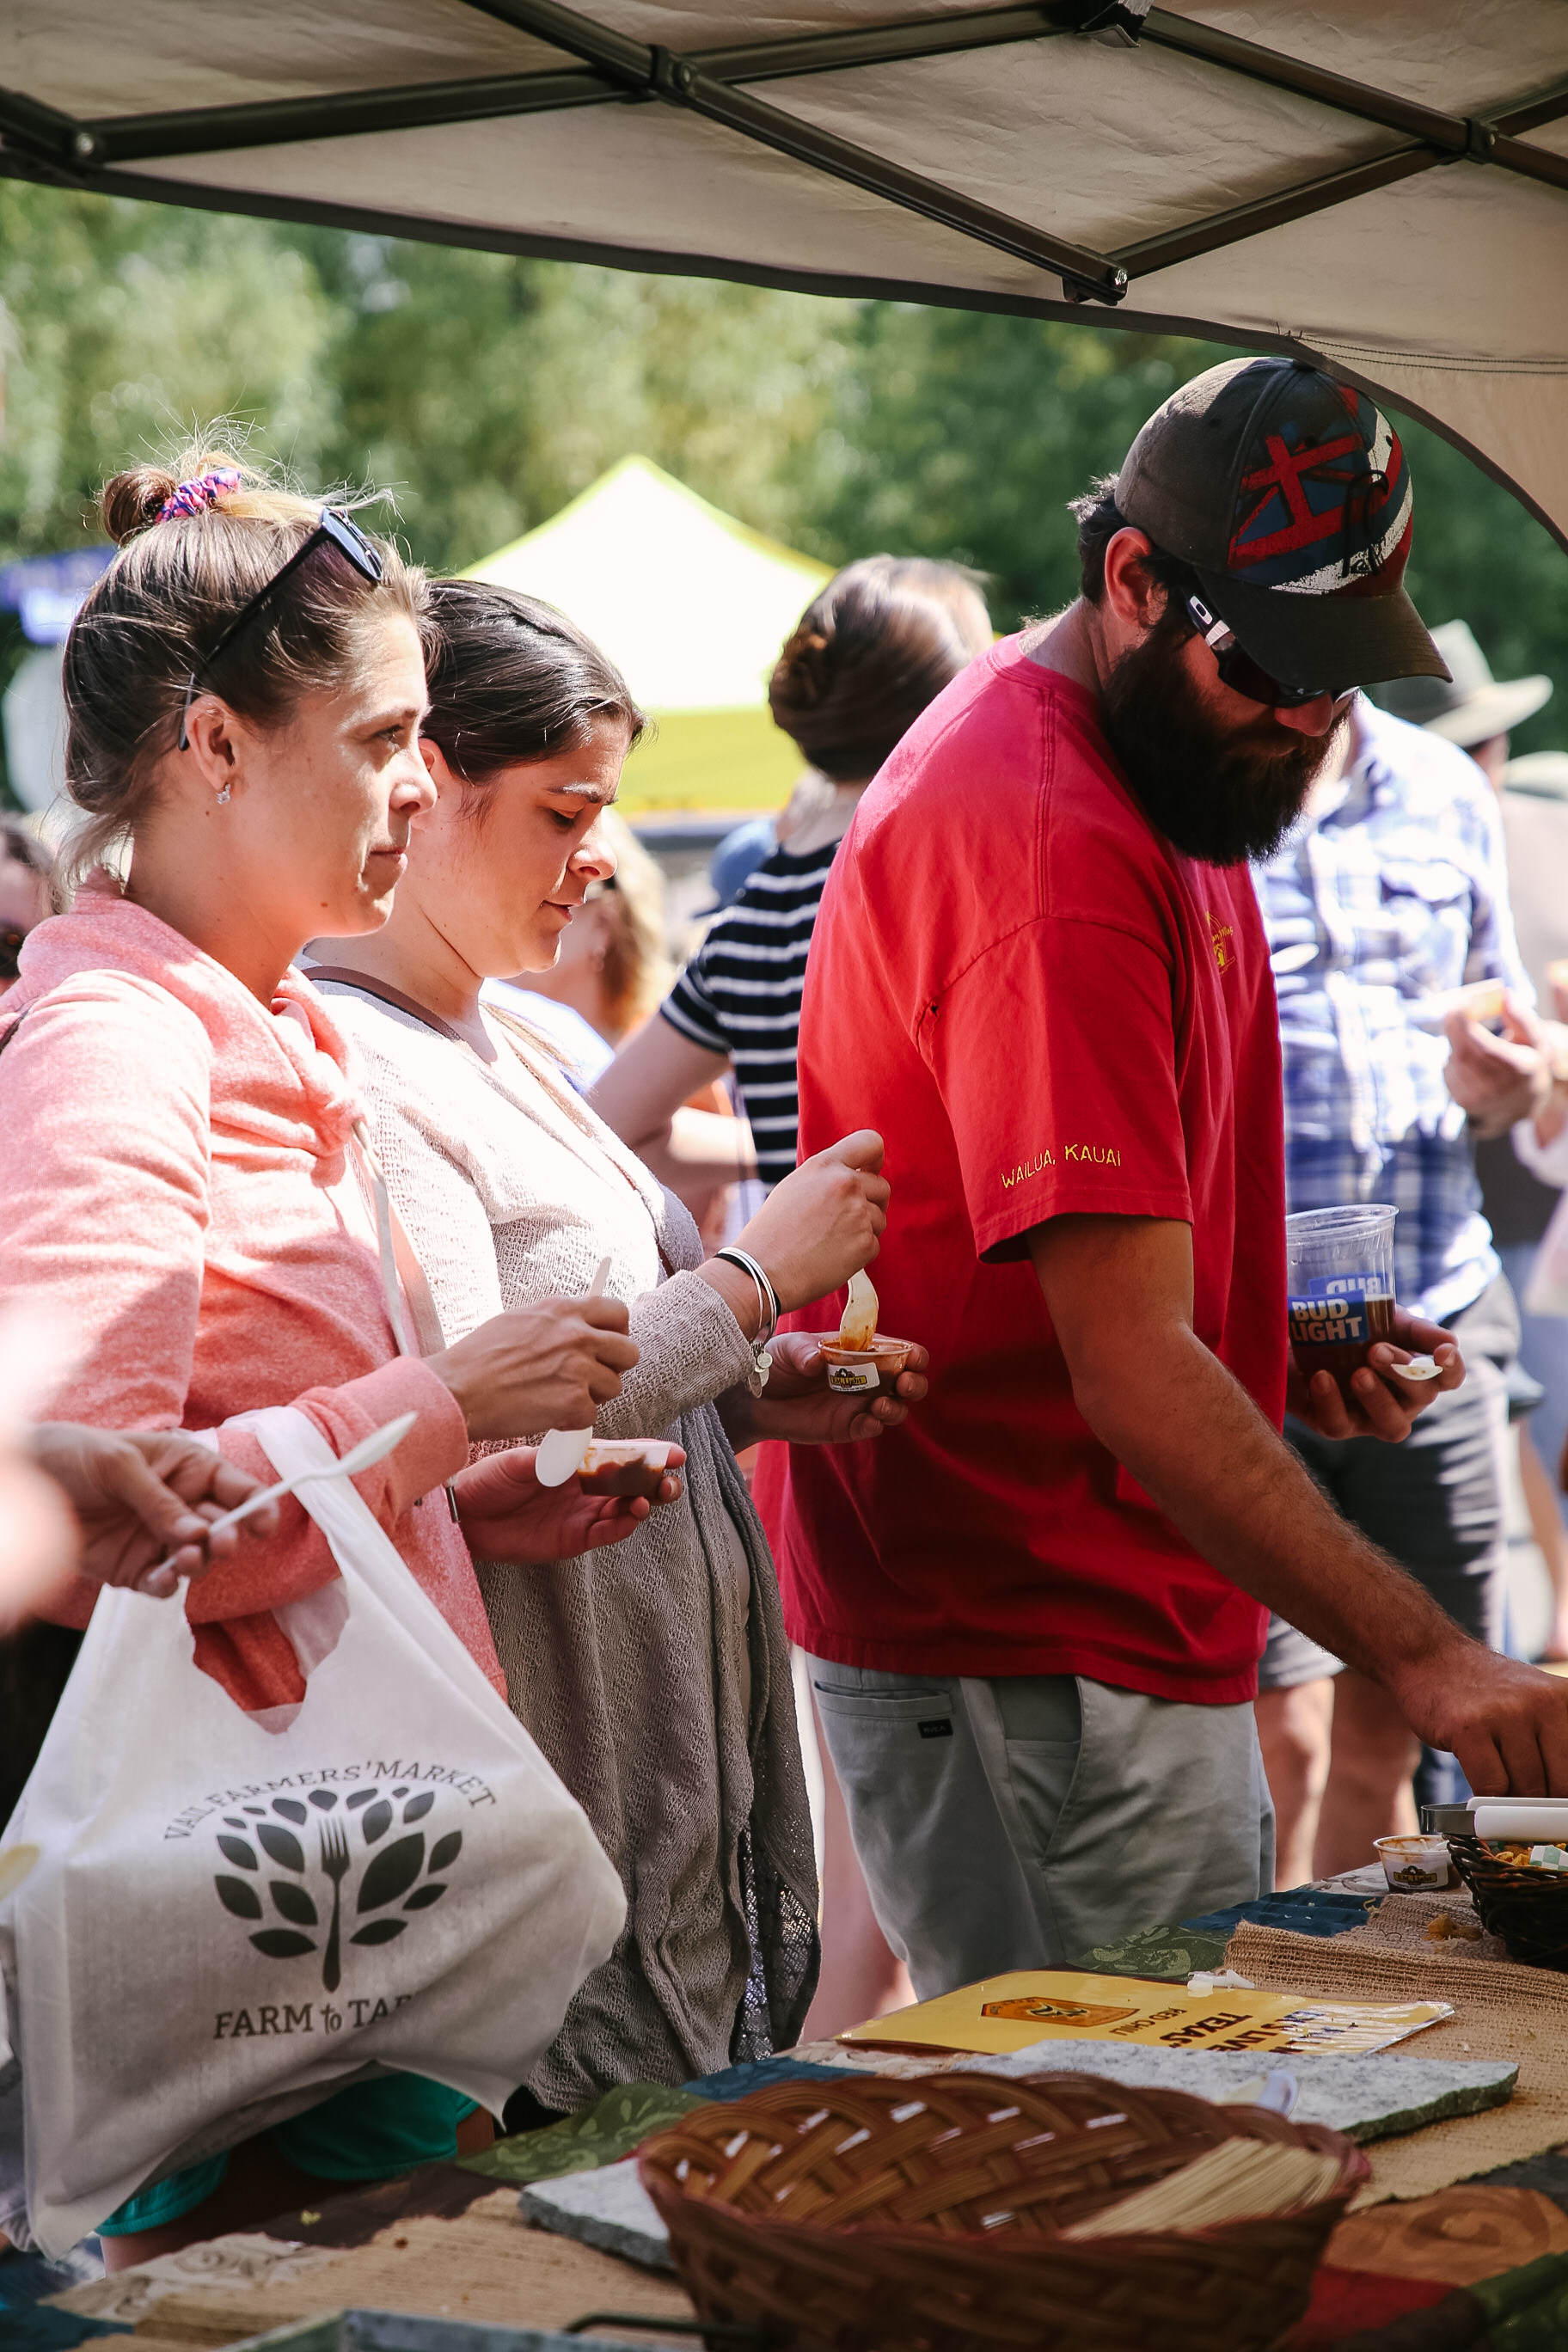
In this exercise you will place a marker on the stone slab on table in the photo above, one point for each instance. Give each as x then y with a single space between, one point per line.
609 2208
1367 2098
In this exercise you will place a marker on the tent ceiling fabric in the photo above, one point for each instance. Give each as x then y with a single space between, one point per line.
1381 182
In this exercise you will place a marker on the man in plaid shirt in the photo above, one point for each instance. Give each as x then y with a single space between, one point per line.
1391 891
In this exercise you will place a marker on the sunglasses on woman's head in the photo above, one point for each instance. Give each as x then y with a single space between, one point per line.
333 528
1243 675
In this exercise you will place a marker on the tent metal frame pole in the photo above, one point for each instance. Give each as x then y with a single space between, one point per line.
340 114
950 33
279 122
618 69
1460 137
680 81
44 132
1299 202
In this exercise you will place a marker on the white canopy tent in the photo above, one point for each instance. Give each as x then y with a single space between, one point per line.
693 607
1380 183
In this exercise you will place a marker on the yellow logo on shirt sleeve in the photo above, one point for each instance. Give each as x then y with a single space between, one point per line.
1220 938
1026 1168
1077 1155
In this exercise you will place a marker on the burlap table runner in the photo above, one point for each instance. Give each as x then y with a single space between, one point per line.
1401 1924
1501 2011
487 2264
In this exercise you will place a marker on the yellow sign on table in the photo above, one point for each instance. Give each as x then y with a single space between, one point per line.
1032 2005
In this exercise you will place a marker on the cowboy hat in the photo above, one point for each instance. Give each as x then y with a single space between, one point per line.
1471 705
1541 775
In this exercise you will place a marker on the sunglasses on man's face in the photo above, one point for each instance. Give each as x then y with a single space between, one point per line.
1243 675
333 528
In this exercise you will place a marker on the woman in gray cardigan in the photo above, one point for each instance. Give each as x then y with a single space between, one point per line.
654 1675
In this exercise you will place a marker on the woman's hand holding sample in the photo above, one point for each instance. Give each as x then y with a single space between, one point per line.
547 1366
506 1514
799 1406
817 1227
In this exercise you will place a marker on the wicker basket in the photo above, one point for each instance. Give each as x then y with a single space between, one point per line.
924 2216
1526 1907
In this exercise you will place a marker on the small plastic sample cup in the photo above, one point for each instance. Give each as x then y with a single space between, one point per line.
1339 1275
1414 1864
857 1368
624 1466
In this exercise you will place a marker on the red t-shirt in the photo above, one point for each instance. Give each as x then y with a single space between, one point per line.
1045 1008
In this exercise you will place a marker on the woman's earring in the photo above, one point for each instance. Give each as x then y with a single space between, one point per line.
223 796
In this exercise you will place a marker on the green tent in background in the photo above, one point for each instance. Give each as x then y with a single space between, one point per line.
693 606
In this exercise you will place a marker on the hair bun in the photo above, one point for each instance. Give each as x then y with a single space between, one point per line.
133 500
877 645
803 673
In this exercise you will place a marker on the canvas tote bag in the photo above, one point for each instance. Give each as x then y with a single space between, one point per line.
233 1916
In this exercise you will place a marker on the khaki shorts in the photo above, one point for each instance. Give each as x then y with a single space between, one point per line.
1022 1822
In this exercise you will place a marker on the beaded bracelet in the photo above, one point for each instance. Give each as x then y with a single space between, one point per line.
768 1309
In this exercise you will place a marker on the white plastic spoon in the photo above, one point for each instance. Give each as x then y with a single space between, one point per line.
1419 1368
372 1449
562 1452
861 1308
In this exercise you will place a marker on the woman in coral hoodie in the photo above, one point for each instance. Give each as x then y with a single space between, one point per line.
183 1188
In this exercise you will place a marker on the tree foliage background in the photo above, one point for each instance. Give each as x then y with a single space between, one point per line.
482 392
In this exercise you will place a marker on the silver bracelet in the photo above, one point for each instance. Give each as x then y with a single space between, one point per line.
768 1309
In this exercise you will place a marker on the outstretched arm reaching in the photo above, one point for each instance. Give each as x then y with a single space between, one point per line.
1119 1294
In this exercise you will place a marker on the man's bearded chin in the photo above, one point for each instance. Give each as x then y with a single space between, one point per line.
1217 795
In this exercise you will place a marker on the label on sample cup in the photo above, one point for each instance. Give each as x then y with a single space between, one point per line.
853 1376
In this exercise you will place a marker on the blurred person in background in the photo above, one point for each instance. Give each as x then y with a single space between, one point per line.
29 890
737 856
612 970
1478 712
1392 888
869 654
1472 708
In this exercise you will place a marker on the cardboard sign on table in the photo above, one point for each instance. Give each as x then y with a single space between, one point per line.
1009 2012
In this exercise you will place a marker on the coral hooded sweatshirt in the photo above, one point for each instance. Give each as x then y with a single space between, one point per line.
176 1190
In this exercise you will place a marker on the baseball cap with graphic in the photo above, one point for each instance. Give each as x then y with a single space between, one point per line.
1289 495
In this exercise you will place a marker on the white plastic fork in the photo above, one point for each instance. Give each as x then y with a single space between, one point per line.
372 1449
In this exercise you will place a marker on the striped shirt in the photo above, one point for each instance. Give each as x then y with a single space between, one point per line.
741 994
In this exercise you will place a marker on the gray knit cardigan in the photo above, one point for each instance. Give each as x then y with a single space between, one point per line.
654 1675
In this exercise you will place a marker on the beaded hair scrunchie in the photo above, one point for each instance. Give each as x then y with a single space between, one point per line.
196 497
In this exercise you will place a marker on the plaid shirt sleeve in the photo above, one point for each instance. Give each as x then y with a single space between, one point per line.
1393 893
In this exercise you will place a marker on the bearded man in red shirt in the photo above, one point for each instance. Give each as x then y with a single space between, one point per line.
1033 1615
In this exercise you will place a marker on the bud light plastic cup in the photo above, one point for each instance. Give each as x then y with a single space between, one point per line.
1339 1274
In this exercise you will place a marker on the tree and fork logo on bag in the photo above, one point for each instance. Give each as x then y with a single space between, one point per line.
340 1838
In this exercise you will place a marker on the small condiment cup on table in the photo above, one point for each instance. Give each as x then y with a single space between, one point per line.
1414 1864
